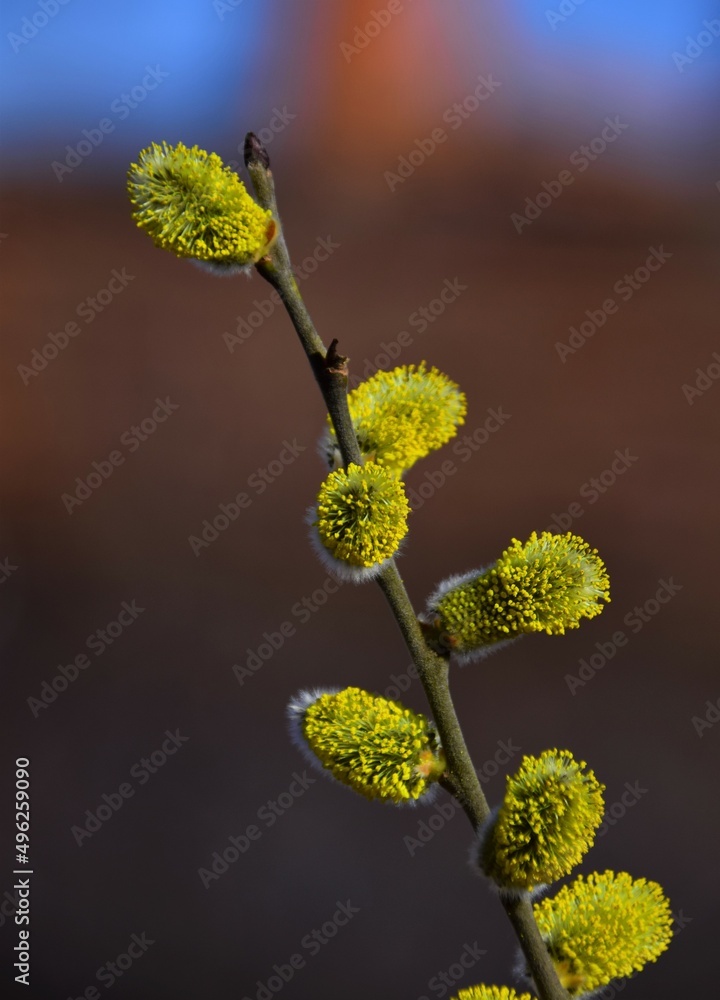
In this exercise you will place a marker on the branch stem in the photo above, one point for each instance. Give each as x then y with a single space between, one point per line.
331 373
433 671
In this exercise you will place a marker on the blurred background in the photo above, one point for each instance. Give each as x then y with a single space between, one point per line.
548 168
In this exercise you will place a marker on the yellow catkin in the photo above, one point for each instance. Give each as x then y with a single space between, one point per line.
402 415
547 584
191 204
361 515
604 926
376 746
491 993
546 823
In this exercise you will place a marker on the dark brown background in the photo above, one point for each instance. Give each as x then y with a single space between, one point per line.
162 336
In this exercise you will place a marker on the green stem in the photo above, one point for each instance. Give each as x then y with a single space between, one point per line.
433 671
520 912
331 373
329 367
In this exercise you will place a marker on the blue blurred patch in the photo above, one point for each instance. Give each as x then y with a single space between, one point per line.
64 64
644 31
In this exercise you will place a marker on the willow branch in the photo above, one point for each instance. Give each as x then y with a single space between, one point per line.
331 373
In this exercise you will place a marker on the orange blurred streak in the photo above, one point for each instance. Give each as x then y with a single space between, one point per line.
386 85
